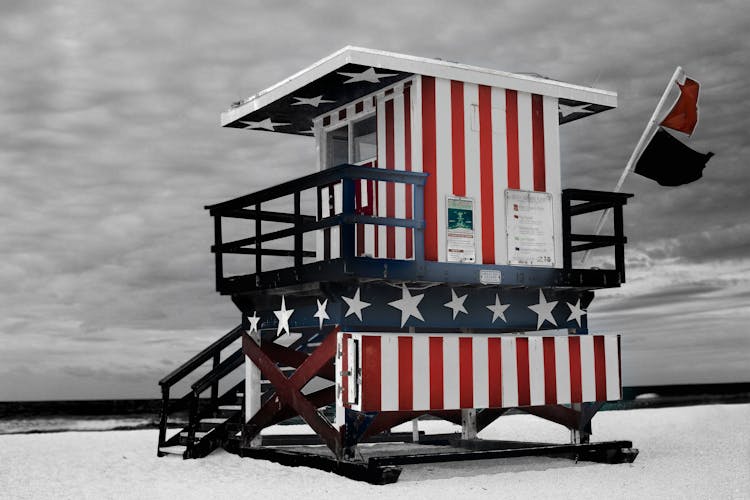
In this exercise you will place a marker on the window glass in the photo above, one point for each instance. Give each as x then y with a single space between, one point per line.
364 139
338 146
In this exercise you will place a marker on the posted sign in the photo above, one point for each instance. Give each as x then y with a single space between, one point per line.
530 228
460 231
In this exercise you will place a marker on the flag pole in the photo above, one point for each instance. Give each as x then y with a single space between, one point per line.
646 136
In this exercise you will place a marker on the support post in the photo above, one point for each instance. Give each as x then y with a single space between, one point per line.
581 434
252 390
215 385
469 424
163 417
339 420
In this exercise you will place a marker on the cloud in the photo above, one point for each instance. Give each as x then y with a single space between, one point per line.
111 148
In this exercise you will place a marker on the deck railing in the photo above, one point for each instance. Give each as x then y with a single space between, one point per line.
593 201
251 207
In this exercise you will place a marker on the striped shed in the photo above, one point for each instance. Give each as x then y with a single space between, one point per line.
486 137
446 371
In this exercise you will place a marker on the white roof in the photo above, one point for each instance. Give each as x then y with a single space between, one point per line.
406 65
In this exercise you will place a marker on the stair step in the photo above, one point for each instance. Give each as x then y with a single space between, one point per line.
173 450
240 394
198 434
217 420
230 407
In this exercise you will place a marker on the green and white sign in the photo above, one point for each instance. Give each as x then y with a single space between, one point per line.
460 233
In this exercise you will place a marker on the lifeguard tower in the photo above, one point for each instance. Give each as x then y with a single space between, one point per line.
425 269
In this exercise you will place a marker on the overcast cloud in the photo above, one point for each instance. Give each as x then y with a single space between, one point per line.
111 147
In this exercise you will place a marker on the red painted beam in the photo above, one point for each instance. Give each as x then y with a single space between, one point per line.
323 397
295 359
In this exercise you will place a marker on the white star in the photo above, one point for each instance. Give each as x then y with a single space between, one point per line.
576 312
310 101
321 314
457 304
355 305
283 316
266 124
408 305
566 110
310 131
498 309
368 75
543 310
253 322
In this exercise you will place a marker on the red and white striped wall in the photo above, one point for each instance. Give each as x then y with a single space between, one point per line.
454 371
478 141
473 140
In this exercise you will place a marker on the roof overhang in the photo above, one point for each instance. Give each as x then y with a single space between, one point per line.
354 72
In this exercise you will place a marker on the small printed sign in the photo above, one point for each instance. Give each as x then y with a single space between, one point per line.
460 233
530 228
490 276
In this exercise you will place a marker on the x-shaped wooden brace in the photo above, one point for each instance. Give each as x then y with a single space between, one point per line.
289 390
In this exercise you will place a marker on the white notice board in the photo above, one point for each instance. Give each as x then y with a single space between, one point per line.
529 227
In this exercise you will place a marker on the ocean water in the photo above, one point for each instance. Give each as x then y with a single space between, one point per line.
29 425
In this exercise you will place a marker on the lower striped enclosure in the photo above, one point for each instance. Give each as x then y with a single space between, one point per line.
444 371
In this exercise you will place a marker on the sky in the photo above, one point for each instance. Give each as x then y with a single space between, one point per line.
111 147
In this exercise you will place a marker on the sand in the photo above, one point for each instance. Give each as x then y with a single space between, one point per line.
685 452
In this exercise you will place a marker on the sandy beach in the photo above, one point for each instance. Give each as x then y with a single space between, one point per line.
685 452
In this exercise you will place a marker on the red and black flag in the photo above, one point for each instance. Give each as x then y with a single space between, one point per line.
684 114
666 159
669 162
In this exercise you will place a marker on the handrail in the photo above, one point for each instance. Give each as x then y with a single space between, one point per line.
224 368
191 399
323 177
332 221
200 358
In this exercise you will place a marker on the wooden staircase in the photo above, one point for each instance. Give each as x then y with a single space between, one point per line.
212 421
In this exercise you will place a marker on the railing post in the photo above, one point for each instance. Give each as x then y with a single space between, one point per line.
163 417
192 421
566 230
419 216
619 242
218 256
215 385
258 246
347 229
297 230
